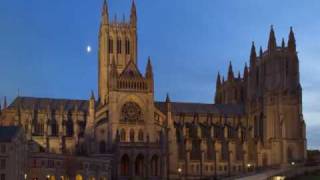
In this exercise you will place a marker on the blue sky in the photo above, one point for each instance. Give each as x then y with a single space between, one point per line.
43 42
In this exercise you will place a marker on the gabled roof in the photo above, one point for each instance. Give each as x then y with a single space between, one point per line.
201 108
131 71
44 103
7 133
177 107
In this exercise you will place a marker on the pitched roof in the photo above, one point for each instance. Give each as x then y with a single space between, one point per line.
7 133
131 71
202 108
177 107
44 103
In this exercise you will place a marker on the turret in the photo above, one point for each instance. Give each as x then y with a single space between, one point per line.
245 72
133 15
291 41
230 73
260 52
168 103
283 44
149 73
272 44
218 85
5 103
105 13
253 56
91 111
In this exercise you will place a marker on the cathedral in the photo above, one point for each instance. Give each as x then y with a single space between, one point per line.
255 120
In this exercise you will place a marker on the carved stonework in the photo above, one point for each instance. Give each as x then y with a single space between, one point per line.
131 112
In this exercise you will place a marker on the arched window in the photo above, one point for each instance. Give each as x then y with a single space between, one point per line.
119 45
54 124
123 135
224 151
127 46
124 169
131 135
290 154
110 45
195 153
54 128
69 125
154 165
256 127
140 135
139 165
102 147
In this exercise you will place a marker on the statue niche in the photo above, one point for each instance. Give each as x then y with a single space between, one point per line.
131 113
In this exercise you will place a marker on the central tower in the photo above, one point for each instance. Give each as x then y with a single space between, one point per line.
118 43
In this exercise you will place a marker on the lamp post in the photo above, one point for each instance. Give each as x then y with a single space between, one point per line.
48 177
179 172
25 176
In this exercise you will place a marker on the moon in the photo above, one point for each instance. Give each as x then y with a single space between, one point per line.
89 49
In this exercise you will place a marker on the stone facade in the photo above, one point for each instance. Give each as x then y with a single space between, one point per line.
255 122
13 153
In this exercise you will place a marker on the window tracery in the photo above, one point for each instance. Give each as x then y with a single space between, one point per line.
131 112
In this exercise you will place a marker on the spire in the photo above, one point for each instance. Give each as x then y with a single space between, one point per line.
239 76
5 103
253 55
92 95
283 44
230 72
260 52
149 72
218 84
291 41
105 13
133 15
272 44
168 98
245 72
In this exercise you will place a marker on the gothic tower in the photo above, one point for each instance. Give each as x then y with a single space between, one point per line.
118 41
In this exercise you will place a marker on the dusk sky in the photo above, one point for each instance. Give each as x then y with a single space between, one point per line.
43 45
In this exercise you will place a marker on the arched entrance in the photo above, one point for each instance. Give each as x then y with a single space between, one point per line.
124 165
139 165
79 177
154 165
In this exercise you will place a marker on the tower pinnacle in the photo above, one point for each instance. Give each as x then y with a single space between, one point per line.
133 15
149 72
105 13
253 56
230 72
291 41
272 44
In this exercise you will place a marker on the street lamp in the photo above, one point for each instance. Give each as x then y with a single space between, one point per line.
179 172
293 163
48 177
25 176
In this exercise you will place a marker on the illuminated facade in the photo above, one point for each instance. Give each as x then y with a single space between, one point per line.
256 120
